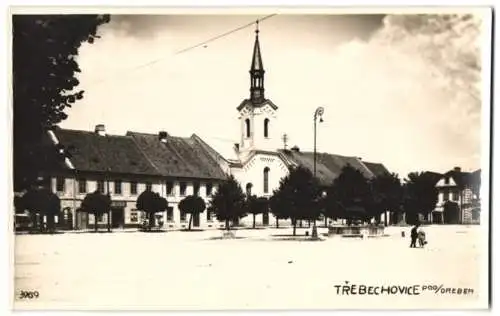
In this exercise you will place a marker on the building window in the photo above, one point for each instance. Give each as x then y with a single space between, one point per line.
118 186
82 186
100 186
60 184
247 127
183 216
149 186
196 189
182 188
133 187
208 188
170 188
446 195
134 216
454 196
249 189
170 214
266 128
266 180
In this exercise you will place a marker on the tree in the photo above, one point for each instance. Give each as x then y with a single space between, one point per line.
41 201
44 77
193 205
297 196
98 204
420 195
387 195
277 207
151 203
256 205
349 196
228 202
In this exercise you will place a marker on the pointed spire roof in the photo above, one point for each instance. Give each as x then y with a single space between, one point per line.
257 58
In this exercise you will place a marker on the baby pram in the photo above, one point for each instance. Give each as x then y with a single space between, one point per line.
421 239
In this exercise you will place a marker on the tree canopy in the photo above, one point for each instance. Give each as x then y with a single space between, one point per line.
193 205
256 205
228 202
96 203
151 203
44 80
420 195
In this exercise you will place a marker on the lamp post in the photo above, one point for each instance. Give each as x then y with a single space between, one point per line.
109 196
317 114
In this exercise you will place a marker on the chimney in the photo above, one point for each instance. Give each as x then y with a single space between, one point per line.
100 129
237 147
162 136
296 149
457 169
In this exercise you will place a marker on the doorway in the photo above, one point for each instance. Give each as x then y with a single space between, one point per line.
196 220
117 217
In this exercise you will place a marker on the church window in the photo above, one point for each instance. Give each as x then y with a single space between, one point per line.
247 127
266 180
266 128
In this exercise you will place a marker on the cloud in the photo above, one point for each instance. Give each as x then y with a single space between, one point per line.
414 84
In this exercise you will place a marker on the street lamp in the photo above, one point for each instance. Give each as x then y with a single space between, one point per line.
317 114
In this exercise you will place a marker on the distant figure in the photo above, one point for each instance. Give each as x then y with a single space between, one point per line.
421 238
414 236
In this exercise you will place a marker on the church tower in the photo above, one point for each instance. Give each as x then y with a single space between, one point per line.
257 114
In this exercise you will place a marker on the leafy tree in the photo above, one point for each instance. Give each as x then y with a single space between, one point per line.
420 195
256 205
41 201
44 54
387 195
192 205
228 202
451 212
151 203
349 196
97 204
297 196
277 207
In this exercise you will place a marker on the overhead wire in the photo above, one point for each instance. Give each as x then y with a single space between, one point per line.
184 50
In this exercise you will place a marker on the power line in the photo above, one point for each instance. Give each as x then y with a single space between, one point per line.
194 46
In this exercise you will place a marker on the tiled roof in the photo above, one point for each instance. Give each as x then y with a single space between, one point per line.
92 152
328 166
465 178
179 156
377 169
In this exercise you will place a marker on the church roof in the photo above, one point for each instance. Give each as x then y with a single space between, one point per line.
329 166
377 169
256 105
179 156
94 153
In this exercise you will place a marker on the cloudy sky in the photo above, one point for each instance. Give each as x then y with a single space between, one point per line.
404 90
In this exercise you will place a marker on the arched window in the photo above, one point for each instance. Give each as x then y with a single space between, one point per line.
266 128
249 189
266 180
247 127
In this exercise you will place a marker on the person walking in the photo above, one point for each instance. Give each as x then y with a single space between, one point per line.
414 236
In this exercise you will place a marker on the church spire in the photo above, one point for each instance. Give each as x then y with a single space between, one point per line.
257 71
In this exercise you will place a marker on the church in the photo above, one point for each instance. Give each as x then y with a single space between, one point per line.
126 165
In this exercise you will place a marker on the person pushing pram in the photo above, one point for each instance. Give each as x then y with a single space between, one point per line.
421 238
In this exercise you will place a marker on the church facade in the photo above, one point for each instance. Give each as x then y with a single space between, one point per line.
126 165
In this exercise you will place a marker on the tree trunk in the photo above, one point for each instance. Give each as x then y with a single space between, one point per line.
190 220
277 223
96 219
227 224
294 222
326 221
386 222
109 221
151 220
253 220
308 223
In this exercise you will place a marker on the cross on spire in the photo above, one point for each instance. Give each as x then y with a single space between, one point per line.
285 140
